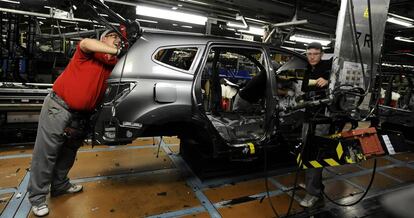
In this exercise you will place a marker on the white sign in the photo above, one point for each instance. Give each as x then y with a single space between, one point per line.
248 37
387 142
57 13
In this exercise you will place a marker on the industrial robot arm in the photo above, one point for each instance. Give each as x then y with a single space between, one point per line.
130 30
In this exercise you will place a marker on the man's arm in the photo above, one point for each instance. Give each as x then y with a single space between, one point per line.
321 82
93 45
324 79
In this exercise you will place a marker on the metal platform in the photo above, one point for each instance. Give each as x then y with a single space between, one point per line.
130 181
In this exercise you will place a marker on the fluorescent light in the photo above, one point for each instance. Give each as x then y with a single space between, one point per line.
307 39
104 15
293 49
186 26
253 30
55 26
82 29
174 8
174 24
399 38
10 1
171 15
66 21
401 17
236 25
400 22
196 2
397 65
147 21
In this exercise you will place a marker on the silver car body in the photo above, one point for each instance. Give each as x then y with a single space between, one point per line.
157 99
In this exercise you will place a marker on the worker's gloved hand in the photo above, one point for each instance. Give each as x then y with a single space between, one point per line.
121 51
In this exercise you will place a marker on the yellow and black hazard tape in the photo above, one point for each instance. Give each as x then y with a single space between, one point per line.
340 159
317 164
251 148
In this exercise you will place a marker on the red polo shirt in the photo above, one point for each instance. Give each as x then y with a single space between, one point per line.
83 82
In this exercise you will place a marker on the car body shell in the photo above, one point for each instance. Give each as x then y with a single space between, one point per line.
162 99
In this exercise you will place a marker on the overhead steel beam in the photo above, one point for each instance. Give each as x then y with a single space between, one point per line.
195 8
29 13
328 23
287 11
197 5
274 26
291 23
71 34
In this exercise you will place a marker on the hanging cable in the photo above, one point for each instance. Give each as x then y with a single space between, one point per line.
124 41
266 144
366 91
103 20
159 146
267 185
355 91
295 183
363 195
302 151
117 88
378 95
355 38
371 38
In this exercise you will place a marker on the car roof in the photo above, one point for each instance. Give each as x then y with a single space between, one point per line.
156 38
192 38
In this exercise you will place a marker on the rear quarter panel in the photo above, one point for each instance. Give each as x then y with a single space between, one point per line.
140 105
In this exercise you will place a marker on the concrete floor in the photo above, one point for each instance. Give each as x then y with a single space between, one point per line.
131 181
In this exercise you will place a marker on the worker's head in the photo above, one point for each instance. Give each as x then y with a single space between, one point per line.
111 38
314 53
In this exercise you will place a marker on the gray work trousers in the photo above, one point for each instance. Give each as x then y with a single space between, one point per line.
53 155
313 176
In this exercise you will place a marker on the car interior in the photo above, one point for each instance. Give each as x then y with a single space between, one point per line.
232 73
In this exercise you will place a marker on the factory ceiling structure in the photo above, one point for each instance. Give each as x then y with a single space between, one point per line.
320 14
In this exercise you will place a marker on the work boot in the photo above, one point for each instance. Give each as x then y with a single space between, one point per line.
74 188
309 200
40 210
